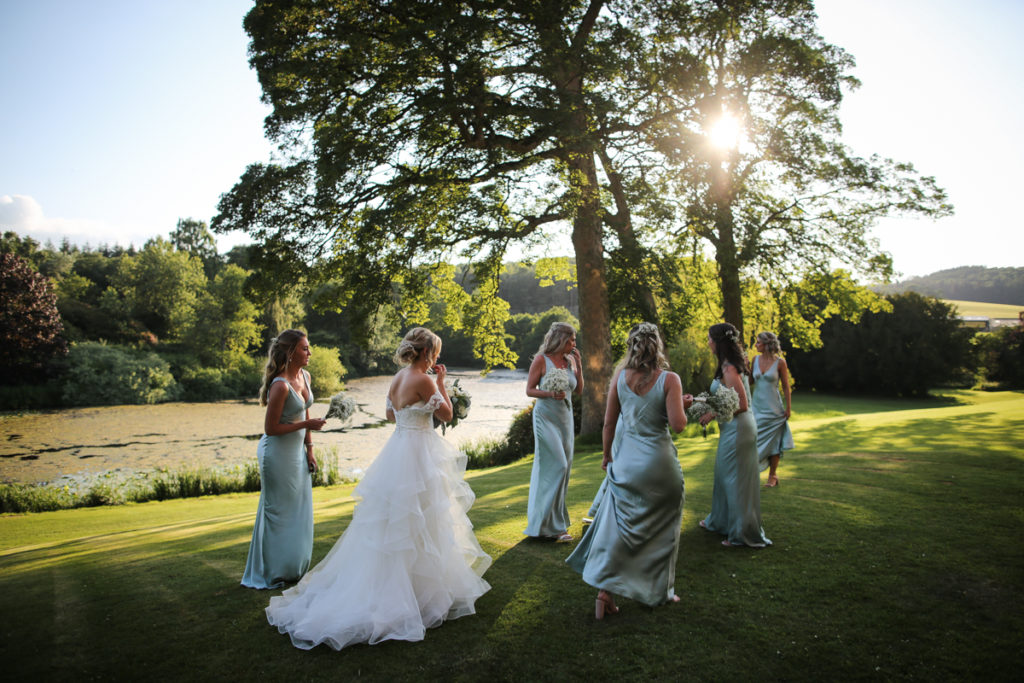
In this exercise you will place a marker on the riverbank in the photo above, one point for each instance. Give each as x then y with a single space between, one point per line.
82 443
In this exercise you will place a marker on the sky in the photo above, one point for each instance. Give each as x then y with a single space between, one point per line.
119 117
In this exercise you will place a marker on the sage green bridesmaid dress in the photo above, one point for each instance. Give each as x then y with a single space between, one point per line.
630 548
773 433
736 496
282 539
547 514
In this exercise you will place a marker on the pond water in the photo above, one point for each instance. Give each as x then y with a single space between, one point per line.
82 442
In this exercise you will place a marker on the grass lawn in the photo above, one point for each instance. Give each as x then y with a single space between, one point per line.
898 555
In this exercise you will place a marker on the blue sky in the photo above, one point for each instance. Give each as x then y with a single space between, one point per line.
120 117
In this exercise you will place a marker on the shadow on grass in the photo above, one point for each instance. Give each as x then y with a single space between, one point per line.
896 555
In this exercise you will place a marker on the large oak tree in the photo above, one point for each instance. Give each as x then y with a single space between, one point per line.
415 131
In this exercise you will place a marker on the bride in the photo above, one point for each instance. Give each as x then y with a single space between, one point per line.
408 559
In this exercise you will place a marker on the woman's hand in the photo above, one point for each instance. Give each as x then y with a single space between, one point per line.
787 413
558 395
706 418
575 355
315 423
687 401
310 461
604 462
440 370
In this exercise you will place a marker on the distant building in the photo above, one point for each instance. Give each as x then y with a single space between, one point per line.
983 323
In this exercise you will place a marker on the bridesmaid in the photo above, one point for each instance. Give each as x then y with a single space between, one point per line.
736 496
547 515
773 434
282 539
630 548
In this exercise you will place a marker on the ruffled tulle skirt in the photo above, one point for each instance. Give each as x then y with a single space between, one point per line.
407 561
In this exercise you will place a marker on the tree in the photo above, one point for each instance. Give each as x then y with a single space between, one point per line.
762 175
194 237
916 345
413 130
224 327
30 326
160 287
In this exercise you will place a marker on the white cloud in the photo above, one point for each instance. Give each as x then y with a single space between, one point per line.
24 215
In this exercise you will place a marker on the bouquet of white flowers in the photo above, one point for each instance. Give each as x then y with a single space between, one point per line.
557 379
342 407
723 404
460 404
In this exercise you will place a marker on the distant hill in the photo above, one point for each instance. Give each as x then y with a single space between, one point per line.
967 283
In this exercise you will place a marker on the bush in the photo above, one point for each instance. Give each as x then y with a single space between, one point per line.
30 396
215 384
326 371
205 384
1002 357
99 374
917 346
116 488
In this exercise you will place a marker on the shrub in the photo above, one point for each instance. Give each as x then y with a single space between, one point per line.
326 371
116 488
99 374
516 444
30 396
904 352
205 384
1002 357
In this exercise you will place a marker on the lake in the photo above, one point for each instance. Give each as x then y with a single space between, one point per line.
83 442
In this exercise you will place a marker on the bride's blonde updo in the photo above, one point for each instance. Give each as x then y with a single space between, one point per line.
416 340
645 352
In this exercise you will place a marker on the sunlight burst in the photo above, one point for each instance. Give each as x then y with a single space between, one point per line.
725 132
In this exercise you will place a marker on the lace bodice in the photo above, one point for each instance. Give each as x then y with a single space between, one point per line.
416 415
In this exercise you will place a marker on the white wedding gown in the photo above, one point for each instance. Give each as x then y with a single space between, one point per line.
408 559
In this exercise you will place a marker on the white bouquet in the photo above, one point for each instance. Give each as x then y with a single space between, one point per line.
461 401
557 379
723 404
342 407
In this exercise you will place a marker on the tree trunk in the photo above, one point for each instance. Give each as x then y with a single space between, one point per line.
725 251
595 319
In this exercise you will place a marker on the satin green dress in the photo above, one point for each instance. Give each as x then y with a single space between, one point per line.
736 496
547 514
282 538
773 433
630 549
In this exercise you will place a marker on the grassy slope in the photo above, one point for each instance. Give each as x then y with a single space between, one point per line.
988 310
897 555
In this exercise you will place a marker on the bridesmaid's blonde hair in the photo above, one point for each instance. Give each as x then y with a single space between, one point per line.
556 336
645 352
416 340
281 349
771 342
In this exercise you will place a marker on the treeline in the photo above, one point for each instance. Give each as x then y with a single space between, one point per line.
175 320
967 283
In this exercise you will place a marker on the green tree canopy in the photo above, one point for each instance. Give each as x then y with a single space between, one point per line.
414 130
783 196
160 286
